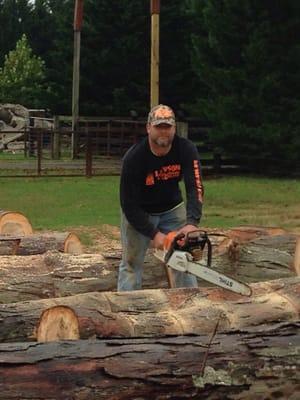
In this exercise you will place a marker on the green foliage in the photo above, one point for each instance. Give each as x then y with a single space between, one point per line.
15 17
247 56
22 76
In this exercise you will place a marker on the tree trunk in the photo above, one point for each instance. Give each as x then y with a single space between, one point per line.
148 313
260 364
14 223
58 274
40 243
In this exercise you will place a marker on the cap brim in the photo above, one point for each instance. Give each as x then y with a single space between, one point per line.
163 121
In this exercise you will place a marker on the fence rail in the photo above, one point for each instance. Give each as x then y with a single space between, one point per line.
39 152
43 152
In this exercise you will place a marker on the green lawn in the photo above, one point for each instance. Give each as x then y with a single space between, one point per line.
63 203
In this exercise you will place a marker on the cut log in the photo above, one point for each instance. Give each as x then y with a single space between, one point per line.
260 365
264 258
147 313
56 274
14 223
40 243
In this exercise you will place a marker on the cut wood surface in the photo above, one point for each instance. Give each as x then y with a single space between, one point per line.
146 313
14 223
257 364
297 258
66 242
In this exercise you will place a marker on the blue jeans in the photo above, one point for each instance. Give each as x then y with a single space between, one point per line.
135 245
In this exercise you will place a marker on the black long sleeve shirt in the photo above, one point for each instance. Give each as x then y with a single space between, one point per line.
150 183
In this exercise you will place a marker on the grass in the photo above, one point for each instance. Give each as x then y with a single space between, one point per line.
65 203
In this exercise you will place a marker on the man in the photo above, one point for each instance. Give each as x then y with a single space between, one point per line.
150 196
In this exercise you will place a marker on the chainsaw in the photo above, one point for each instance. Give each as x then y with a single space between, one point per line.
185 253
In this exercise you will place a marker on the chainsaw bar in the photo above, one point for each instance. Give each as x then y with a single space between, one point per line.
179 261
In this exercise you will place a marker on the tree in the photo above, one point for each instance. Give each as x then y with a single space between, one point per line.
247 55
15 18
21 78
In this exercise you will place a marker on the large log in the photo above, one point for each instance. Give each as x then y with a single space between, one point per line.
145 313
57 274
14 223
260 364
66 242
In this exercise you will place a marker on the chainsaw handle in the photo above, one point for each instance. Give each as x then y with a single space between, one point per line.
170 242
171 238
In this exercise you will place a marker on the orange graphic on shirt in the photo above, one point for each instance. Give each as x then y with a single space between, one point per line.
198 181
165 173
150 179
168 172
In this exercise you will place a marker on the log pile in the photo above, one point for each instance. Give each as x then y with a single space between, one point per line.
65 242
66 334
56 274
16 228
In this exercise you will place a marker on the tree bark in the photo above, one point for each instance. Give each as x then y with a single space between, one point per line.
14 223
262 258
148 313
65 242
260 364
56 274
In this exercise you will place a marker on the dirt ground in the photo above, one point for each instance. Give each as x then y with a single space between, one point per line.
104 240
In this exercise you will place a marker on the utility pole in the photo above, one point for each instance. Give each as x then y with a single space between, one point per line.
78 17
154 80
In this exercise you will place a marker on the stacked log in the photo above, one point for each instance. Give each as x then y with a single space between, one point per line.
14 223
66 242
144 313
260 364
56 274
163 344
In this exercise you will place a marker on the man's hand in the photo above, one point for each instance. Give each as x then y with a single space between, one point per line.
187 228
158 241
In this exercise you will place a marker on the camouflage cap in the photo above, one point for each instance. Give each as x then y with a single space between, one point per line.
161 114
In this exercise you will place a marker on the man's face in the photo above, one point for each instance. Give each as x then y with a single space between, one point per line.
161 135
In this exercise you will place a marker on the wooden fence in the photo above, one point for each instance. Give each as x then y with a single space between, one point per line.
99 145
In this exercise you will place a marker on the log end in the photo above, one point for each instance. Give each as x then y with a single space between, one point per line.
14 223
57 323
296 264
72 244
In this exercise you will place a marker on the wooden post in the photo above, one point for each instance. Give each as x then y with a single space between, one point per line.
182 129
88 154
78 16
56 139
39 151
154 90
